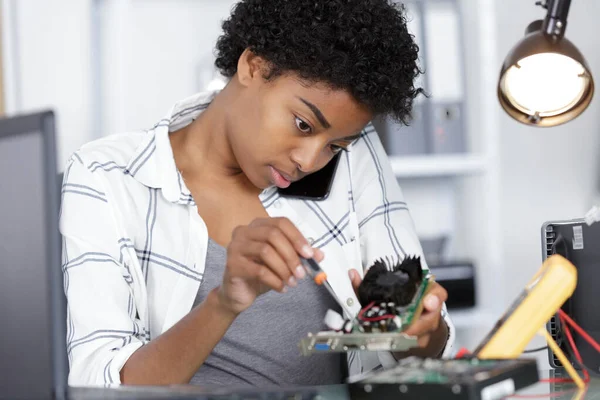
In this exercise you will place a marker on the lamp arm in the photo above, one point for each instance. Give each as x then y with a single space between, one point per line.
555 23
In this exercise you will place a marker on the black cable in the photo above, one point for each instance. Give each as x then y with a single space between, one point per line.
560 247
567 346
581 366
535 350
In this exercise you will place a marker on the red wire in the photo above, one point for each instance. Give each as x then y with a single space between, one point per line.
557 380
360 314
373 319
583 333
577 356
566 321
586 375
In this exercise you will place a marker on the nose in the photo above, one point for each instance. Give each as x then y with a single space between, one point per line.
308 158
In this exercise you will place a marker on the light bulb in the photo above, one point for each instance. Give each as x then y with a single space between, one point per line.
546 83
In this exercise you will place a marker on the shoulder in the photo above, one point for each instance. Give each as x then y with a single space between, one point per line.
110 152
368 159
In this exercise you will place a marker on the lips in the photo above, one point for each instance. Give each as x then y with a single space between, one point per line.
287 177
280 179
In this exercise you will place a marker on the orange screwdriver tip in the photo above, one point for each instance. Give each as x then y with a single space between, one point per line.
320 278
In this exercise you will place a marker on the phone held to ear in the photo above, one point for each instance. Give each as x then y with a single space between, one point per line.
315 186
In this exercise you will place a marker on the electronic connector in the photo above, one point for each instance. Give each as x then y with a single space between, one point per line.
380 324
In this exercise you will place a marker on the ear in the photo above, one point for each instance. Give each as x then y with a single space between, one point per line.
250 68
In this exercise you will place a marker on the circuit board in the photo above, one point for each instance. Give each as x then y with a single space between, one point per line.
412 312
341 342
469 379
367 332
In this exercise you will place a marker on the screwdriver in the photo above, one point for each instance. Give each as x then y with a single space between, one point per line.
317 274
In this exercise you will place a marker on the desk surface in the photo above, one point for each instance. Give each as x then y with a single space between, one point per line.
542 390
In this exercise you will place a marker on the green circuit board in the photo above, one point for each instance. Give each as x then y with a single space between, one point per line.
377 339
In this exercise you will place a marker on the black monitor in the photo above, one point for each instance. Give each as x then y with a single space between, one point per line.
578 243
33 361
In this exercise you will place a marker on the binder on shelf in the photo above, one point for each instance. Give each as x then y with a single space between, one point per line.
400 139
448 128
443 51
438 122
444 55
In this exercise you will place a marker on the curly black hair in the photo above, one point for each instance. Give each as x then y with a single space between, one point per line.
361 46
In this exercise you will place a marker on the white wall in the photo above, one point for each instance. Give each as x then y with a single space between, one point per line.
549 173
154 53
144 62
53 65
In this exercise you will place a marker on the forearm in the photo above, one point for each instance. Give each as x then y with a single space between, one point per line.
434 348
176 355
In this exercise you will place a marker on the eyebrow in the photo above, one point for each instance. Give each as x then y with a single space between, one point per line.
317 113
352 137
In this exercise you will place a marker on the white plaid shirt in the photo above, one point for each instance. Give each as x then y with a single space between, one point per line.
134 245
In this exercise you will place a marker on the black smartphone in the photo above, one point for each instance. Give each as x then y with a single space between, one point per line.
315 186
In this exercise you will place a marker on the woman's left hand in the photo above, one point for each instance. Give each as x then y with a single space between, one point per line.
430 329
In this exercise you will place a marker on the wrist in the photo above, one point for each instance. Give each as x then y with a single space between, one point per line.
441 338
217 303
434 349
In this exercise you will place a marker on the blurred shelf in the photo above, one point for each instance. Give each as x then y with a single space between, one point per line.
474 318
438 165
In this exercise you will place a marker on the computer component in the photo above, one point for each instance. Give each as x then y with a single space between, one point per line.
463 379
578 242
392 298
492 371
33 360
338 342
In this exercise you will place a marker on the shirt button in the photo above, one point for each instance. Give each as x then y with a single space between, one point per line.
277 204
310 240
350 302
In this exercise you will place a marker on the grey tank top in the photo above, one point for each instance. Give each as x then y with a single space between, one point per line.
261 346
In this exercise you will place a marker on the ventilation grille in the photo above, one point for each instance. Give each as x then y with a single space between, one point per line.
553 326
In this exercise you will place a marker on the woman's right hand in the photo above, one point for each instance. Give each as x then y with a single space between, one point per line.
263 256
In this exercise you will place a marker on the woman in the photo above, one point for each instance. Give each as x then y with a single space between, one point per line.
182 244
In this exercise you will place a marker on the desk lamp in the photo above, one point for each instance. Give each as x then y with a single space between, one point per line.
545 80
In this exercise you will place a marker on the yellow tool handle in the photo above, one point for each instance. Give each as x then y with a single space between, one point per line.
563 359
543 296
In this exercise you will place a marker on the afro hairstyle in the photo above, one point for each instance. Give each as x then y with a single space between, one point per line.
361 46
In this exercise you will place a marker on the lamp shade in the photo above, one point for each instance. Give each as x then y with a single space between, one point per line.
544 81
